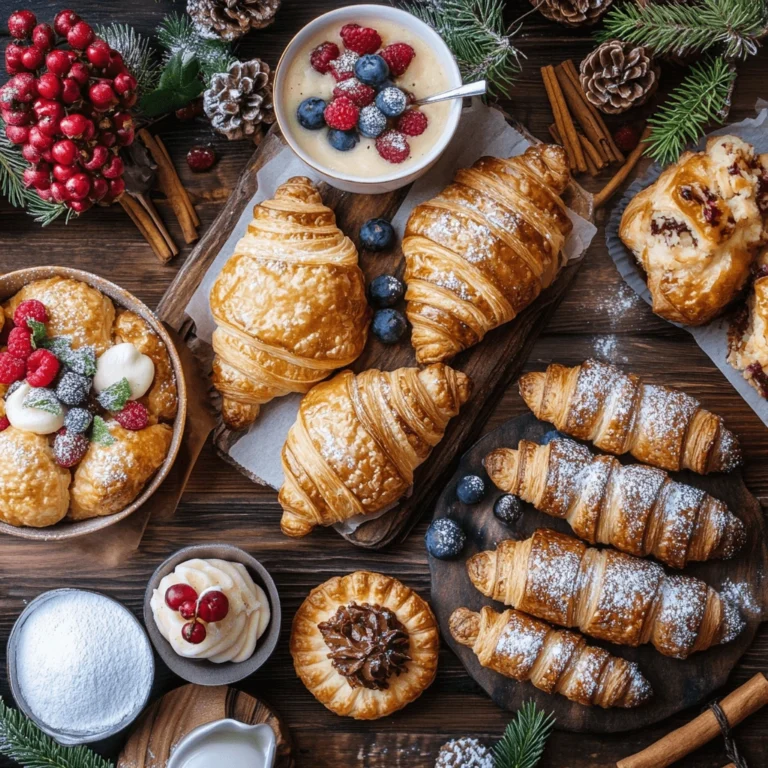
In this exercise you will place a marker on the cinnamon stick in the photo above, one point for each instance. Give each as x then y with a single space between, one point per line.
181 187
146 204
605 194
591 152
145 225
563 120
592 169
737 706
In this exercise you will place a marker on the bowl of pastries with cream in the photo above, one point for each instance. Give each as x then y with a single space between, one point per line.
92 403
213 614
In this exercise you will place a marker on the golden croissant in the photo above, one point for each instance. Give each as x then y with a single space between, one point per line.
358 439
555 661
634 508
606 594
483 249
289 305
620 414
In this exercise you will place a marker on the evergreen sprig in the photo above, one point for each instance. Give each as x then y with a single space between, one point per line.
686 28
524 739
700 100
475 32
137 51
22 741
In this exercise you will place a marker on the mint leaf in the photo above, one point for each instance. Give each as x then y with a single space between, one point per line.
100 432
39 334
179 83
82 361
57 345
42 399
114 397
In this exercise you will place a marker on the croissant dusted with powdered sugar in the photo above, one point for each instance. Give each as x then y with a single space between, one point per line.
484 248
634 508
606 594
358 439
619 413
555 661
289 305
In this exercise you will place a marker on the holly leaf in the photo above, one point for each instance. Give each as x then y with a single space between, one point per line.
42 399
179 84
100 432
114 397
39 334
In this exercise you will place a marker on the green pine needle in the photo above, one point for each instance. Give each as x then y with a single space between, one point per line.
523 742
24 742
475 32
137 52
700 100
685 28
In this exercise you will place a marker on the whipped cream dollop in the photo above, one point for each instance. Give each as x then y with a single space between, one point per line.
124 361
30 419
233 638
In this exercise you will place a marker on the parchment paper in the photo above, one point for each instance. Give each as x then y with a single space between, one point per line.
482 131
713 337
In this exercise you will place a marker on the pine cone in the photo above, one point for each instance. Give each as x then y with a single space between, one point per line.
240 100
617 76
573 13
464 753
230 19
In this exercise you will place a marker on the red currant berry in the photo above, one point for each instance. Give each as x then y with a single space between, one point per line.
213 606
134 416
64 152
107 138
177 594
58 62
49 126
30 154
64 21
79 206
102 96
75 125
188 609
48 108
59 191
13 64
99 188
116 188
32 58
80 35
21 87
21 24
98 53
20 342
122 120
42 368
43 37
113 169
80 73
30 309
21 116
201 159
116 65
125 137
125 83
48 86
193 632
38 139
70 91
11 369
99 155
64 172
78 186
39 178
17 134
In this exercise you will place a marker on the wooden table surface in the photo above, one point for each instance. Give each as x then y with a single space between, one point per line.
598 317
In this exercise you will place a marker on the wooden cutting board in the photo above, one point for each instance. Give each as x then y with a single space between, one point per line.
492 365
677 684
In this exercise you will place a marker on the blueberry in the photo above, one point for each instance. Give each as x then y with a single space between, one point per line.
78 420
388 325
372 121
377 235
391 101
445 539
371 69
73 388
342 140
470 489
385 291
508 509
310 113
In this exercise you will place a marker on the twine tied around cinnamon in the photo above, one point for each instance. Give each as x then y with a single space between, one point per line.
731 750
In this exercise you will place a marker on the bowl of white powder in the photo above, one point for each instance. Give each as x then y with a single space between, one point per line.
80 665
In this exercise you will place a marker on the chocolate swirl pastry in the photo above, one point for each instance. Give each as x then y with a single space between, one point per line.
368 644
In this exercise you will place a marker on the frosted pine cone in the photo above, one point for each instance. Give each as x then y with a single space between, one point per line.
238 101
464 753
573 13
230 19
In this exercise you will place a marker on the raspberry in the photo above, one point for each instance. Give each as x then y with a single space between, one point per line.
344 67
42 367
31 308
20 342
358 93
320 59
342 114
134 416
11 368
412 123
359 39
398 56
69 447
393 146
4 423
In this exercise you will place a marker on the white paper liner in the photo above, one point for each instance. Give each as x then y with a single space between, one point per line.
482 131
713 337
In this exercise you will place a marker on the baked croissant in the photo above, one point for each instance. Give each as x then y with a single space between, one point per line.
289 304
634 508
606 594
697 229
483 249
358 439
620 414
555 661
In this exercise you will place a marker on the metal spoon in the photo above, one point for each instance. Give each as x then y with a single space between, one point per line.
470 89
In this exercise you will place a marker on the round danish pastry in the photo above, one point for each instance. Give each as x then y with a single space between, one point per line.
365 645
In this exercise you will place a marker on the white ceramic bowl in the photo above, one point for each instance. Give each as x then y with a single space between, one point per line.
369 14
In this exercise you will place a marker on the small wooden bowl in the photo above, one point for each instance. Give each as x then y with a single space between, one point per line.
11 283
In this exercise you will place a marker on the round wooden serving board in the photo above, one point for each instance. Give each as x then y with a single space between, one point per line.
172 717
677 684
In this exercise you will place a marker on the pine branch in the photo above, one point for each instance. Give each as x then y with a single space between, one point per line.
685 28
24 742
474 30
701 99
524 739
137 52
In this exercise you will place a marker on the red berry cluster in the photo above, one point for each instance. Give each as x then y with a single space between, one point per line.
212 605
20 360
69 109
